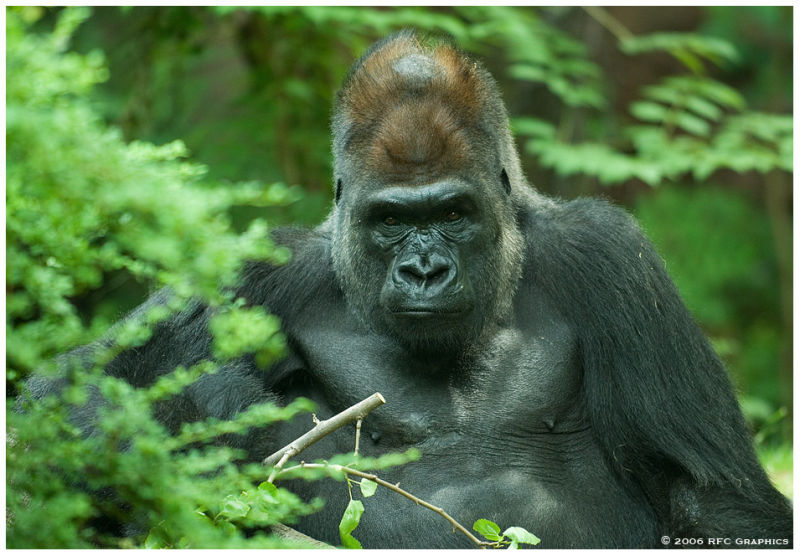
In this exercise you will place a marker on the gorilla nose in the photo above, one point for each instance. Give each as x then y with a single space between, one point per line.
431 274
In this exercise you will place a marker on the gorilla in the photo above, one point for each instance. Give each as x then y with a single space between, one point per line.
533 349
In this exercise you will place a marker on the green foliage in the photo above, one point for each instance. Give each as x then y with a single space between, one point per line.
367 487
693 124
350 520
726 257
539 52
183 495
82 203
777 460
264 339
511 537
518 535
489 529
689 48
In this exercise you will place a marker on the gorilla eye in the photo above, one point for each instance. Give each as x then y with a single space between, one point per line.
391 221
453 216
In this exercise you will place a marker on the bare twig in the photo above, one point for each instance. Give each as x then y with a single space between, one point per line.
358 435
323 429
349 471
609 22
290 534
279 466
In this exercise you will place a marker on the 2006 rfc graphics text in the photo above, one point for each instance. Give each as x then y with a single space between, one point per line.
715 542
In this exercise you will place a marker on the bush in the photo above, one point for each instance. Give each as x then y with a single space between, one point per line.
82 205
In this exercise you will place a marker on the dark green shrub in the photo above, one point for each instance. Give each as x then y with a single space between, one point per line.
81 205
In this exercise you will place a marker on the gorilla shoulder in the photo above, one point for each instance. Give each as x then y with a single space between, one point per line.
300 288
566 240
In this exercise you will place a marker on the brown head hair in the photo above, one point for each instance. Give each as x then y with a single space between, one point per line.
408 109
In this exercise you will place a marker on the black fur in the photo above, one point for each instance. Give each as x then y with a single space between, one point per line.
506 183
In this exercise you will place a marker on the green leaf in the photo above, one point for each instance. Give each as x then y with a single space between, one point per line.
683 45
689 60
269 487
710 89
269 492
527 72
155 539
489 529
533 127
518 535
233 507
693 124
228 527
663 93
350 520
368 487
702 107
649 111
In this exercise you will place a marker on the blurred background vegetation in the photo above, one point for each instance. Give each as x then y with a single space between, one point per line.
681 114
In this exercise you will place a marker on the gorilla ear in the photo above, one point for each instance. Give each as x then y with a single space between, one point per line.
506 182
338 194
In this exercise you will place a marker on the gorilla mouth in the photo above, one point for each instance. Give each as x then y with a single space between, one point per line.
426 312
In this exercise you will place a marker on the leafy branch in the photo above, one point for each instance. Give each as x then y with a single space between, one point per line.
369 482
688 123
395 488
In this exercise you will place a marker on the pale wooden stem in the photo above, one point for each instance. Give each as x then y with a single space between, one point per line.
323 429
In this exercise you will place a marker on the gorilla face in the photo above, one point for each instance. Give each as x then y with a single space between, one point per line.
426 239
425 264
423 236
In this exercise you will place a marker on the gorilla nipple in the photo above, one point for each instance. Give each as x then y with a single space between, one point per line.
550 423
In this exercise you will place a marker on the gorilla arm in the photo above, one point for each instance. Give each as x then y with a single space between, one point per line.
658 397
183 339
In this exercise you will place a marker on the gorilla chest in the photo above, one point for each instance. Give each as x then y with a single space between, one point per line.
524 381
501 437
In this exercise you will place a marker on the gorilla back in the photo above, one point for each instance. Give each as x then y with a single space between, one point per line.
534 350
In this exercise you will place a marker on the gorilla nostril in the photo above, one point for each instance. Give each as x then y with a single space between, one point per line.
411 274
437 274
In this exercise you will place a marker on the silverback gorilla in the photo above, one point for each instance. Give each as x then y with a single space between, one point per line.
534 350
